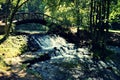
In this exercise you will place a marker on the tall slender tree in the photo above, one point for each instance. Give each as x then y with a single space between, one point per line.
99 19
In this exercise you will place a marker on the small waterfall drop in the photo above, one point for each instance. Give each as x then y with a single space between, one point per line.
48 42
54 45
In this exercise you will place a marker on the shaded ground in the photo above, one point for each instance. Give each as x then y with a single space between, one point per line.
15 73
11 49
83 38
114 39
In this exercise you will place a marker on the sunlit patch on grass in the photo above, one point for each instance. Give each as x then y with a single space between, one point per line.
1 36
13 46
3 66
116 31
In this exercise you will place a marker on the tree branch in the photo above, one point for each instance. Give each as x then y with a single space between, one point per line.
22 4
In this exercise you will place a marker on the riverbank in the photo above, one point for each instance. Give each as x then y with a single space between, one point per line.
10 67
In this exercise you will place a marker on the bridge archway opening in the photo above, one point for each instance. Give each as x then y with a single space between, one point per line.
31 27
37 18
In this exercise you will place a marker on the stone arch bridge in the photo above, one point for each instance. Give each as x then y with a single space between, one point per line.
32 17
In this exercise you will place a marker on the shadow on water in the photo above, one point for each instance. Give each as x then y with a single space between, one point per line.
105 70
98 70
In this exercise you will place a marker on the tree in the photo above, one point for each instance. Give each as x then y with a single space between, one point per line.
99 20
71 12
115 11
2 2
12 6
33 6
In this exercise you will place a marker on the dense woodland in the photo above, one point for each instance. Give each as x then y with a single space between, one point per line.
93 20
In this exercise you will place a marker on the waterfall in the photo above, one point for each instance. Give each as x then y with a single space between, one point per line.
48 42
55 46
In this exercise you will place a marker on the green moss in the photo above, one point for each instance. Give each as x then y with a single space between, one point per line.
115 31
13 46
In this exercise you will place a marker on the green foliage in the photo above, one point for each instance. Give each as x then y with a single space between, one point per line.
23 66
2 1
10 9
71 12
115 11
24 48
33 6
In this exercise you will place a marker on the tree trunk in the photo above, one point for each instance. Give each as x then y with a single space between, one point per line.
91 15
10 17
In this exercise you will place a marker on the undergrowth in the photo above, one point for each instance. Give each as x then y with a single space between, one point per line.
102 53
12 47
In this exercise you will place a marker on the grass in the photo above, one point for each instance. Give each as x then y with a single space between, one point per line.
110 30
3 66
116 31
12 47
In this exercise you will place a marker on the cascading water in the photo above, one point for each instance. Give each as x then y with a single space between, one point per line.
55 46
53 43
48 42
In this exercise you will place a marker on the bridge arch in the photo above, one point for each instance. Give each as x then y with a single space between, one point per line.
40 18
38 21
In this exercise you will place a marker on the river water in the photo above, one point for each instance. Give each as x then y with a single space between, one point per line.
67 61
54 45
